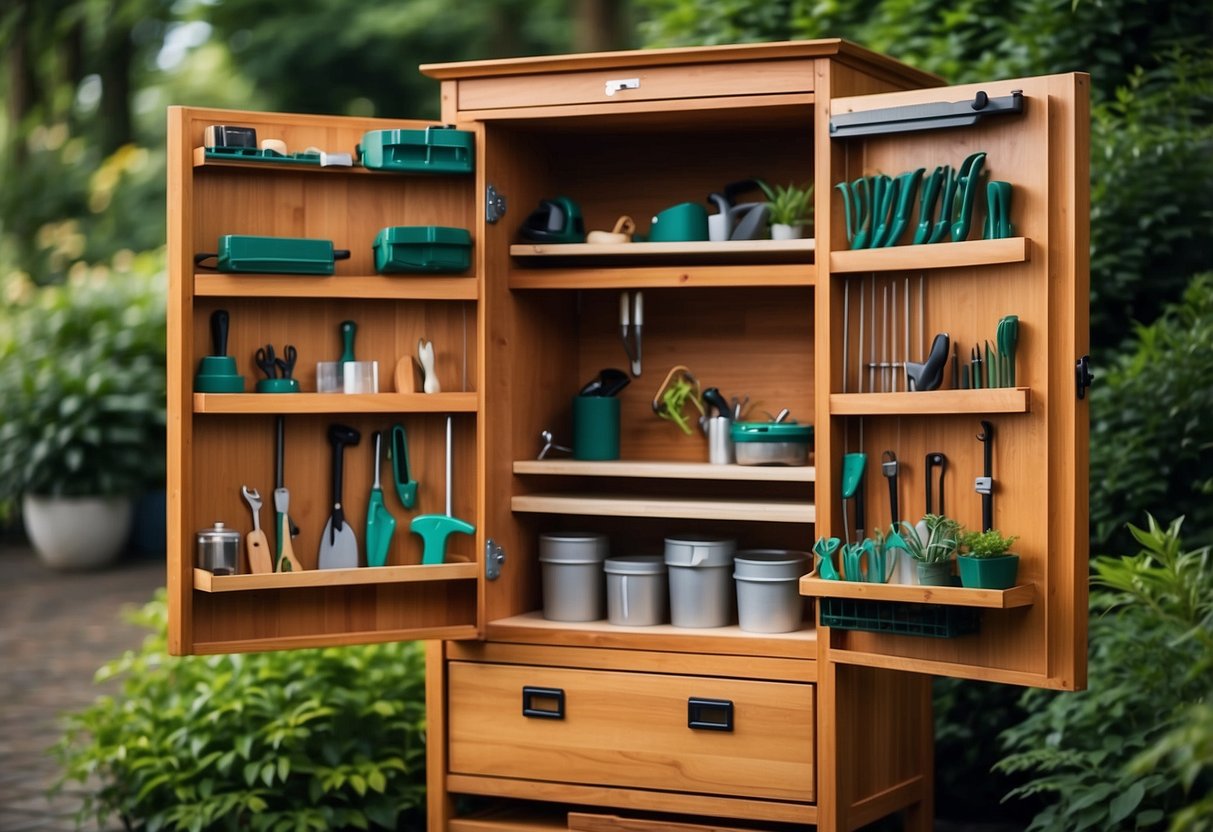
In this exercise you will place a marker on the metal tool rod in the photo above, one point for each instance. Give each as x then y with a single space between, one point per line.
449 467
859 365
884 337
906 358
872 341
846 332
893 338
922 332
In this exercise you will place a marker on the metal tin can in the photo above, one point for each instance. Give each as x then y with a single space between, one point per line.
219 550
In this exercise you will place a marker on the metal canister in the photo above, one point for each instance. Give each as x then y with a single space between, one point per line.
219 550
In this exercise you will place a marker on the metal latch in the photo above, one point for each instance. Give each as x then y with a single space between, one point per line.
615 85
1083 377
494 556
494 204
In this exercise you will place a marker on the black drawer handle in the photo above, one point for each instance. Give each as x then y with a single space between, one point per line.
710 714
543 703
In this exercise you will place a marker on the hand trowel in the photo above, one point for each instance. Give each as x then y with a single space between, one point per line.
436 528
338 544
380 526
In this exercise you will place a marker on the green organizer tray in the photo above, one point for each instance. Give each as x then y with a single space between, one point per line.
244 254
432 150
899 618
252 154
422 248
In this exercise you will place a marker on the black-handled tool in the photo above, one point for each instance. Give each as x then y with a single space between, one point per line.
219 325
984 485
935 460
929 374
338 544
889 467
712 396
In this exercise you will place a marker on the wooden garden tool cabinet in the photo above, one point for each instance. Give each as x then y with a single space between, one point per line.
825 726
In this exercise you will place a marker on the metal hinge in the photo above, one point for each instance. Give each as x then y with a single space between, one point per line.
494 204
494 556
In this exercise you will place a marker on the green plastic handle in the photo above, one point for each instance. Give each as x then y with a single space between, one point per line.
825 548
348 330
970 174
926 205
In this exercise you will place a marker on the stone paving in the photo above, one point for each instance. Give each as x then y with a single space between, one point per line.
56 629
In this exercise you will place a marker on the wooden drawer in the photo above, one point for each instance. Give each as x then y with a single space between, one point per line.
608 728
655 84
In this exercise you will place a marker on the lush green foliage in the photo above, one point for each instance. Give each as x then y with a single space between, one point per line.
296 740
933 540
82 384
1152 438
1151 660
987 544
790 204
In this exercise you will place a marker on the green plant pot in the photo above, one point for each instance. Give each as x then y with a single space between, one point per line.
935 574
988 573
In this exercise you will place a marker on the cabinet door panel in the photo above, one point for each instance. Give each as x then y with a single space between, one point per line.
1040 453
219 442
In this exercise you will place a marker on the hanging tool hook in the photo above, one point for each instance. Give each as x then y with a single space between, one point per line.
631 326
984 485
549 445
890 467
935 460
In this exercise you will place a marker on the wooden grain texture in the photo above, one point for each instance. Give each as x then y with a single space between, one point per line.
973 252
533 628
439 804
336 403
583 822
675 508
665 470
1001 599
630 730
206 582
365 287
628 251
661 277
633 799
681 653
940 402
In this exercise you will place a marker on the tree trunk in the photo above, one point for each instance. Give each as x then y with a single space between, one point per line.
22 83
598 25
117 54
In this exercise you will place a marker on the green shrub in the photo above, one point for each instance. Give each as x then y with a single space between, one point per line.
1150 662
1151 436
296 740
82 384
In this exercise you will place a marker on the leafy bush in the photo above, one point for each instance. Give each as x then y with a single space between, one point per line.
1151 438
1151 660
82 384
296 740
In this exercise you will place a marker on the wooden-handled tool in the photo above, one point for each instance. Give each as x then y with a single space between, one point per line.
259 559
284 554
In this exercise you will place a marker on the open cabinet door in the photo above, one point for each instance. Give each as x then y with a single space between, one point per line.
222 440
900 296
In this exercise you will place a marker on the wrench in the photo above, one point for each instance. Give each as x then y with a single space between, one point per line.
259 559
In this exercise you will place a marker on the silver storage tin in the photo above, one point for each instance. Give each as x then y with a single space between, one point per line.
637 590
701 592
768 589
574 585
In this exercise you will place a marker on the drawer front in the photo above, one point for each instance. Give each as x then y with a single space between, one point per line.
750 738
639 84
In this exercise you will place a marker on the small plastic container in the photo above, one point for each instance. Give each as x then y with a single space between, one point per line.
701 589
637 590
436 149
423 249
772 443
574 584
768 589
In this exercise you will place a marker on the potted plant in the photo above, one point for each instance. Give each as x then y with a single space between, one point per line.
791 210
932 542
82 413
987 561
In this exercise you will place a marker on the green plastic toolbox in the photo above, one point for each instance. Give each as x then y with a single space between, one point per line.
241 253
439 149
422 248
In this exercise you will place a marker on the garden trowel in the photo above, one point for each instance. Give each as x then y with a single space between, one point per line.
338 544
434 529
380 526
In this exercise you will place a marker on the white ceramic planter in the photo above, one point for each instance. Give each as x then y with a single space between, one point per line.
77 532
779 231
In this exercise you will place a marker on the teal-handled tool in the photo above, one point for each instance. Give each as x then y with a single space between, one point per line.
434 529
348 330
926 204
882 560
884 196
1007 338
853 559
380 525
825 548
947 203
853 467
966 181
998 211
398 452
905 188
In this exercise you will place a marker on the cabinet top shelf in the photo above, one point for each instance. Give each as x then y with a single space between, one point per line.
273 403
363 287
761 251
684 508
665 470
931 256
942 402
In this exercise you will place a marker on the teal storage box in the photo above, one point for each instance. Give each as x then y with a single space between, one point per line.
241 253
422 248
432 150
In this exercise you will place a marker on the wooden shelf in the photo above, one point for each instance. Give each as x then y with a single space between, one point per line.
370 287
662 277
206 582
666 470
997 599
763 251
931 256
594 505
533 628
200 161
942 402
335 403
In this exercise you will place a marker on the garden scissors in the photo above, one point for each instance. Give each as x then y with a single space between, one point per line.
825 548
